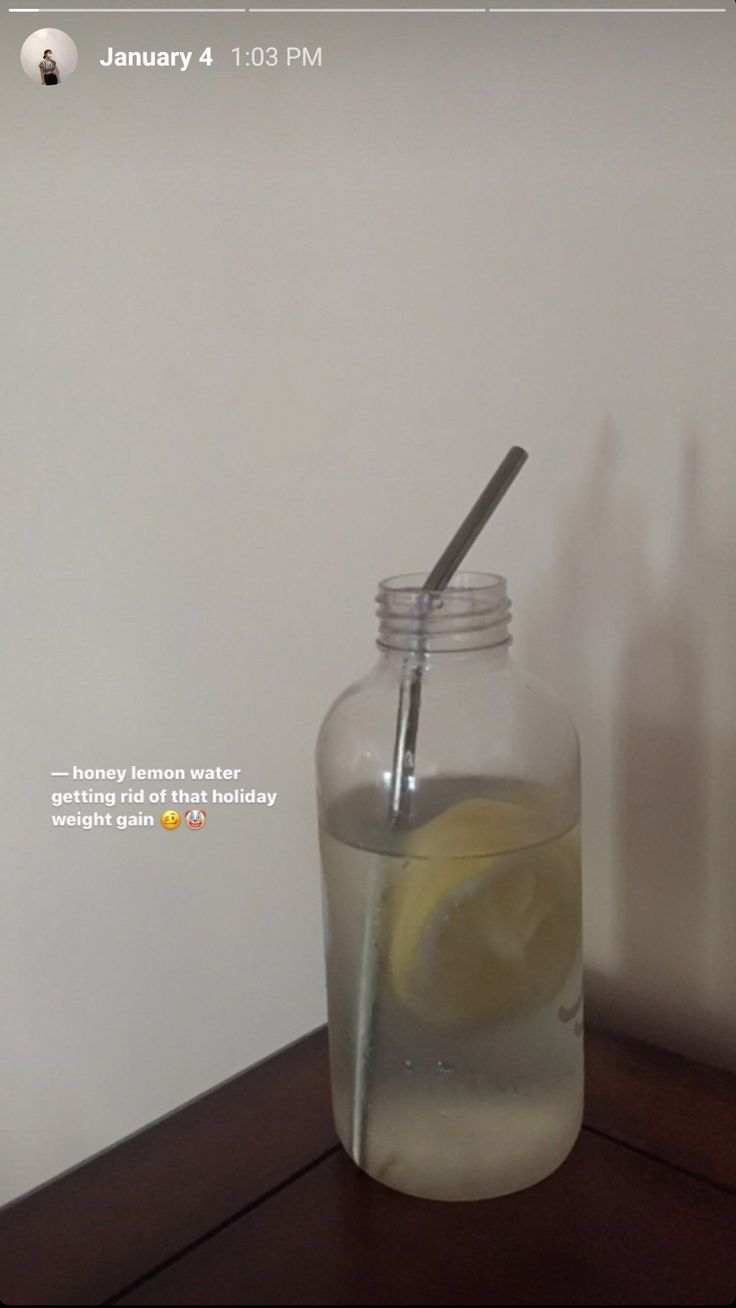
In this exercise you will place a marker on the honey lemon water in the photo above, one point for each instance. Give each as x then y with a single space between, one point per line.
454 984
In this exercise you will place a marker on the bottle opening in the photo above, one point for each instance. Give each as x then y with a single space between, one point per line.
471 613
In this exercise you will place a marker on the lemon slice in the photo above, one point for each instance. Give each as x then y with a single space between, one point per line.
481 928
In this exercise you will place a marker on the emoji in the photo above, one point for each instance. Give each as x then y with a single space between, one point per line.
195 818
170 819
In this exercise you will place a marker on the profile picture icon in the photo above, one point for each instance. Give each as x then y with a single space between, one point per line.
48 56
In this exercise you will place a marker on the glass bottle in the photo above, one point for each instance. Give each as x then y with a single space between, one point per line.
453 935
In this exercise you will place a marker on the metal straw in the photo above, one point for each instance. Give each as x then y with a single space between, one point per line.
402 774
407 722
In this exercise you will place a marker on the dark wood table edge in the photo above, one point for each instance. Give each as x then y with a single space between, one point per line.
209 1234
626 1125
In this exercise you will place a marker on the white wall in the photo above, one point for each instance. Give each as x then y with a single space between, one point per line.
269 336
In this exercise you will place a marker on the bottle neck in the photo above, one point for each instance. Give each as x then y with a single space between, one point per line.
473 613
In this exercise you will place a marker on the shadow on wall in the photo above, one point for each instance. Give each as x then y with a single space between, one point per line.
662 838
646 738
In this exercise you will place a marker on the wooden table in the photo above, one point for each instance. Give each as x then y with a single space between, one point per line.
245 1197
